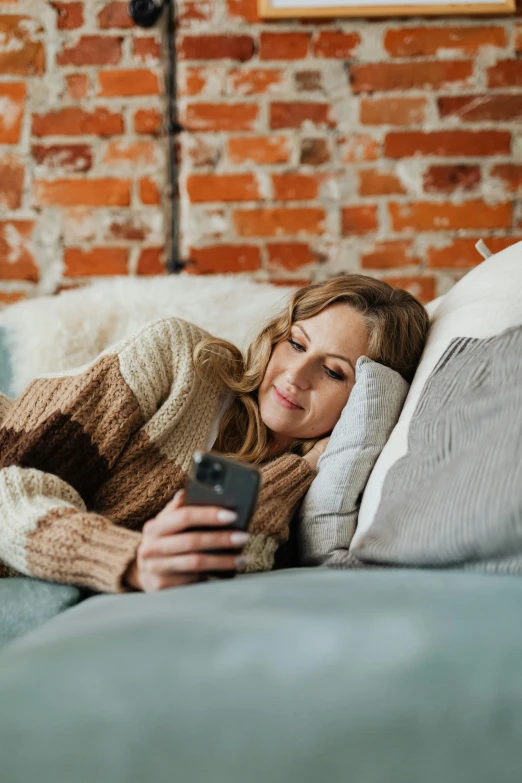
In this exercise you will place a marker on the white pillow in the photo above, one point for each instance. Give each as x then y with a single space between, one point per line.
327 517
482 304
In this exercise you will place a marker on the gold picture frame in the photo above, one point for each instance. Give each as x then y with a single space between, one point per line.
296 9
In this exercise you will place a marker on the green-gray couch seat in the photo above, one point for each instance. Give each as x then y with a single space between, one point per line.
298 676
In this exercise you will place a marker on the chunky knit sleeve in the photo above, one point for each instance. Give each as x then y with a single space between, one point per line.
87 457
284 481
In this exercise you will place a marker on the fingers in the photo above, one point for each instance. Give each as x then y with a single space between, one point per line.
153 582
192 564
192 542
175 518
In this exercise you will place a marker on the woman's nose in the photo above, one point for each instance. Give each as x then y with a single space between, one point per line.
299 374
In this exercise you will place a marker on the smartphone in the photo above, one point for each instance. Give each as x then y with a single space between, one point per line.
215 480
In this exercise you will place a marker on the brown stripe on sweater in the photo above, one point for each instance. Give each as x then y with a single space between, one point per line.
58 446
75 547
98 400
6 572
139 486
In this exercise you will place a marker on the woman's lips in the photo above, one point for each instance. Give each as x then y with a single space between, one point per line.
283 401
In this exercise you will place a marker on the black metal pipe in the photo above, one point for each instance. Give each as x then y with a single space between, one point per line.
146 13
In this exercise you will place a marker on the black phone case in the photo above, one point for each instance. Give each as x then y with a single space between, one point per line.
237 492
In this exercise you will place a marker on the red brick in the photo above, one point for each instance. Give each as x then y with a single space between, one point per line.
462 253
401 144
393 111
296 114
243 9
254 82
505 73
222 187
308 81
296 186
16 259
336 45
423 288
201 152
149 191
151 261
129 226
91 50
372 77
76 86
194 81
69 15
11 297
146 49
437 216
126 83
82 192
72 157
359 219
510 174
283 46
77 122
221 116
290 255
279 221
389 255
194 11
447 179
20 54
225 258
148 121
95 261
11 182
216 47
314 152
477 108
359 147
299 282
140 153
12 104
518 40
115 14
373 182
422 41
259 149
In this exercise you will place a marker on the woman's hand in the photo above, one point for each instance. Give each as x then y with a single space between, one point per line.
170 555
316 451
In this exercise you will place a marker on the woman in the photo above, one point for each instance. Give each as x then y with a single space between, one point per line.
90 459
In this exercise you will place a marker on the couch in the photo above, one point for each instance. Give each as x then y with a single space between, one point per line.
370 676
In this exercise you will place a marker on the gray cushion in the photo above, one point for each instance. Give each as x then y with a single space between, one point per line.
6 368
297 676
456 496
328 515
26 603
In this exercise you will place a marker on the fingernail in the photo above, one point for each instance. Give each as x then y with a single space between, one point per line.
239 538
242 560
226 516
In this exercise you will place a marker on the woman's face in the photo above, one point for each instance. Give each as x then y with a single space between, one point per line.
315 369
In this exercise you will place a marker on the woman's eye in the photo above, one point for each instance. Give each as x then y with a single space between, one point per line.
331 374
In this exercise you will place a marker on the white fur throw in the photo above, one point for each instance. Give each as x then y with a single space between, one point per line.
57 333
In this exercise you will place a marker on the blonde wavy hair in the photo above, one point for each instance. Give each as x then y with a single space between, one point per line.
397 325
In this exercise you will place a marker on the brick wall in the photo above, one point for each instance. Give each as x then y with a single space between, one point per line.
387 146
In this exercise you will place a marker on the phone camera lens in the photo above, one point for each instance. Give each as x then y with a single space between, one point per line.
210 473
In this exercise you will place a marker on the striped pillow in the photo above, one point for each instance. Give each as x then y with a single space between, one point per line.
412 511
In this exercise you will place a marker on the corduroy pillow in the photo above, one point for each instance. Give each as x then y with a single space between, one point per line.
465 393
328 514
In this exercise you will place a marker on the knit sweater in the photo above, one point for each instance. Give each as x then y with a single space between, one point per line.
88 456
